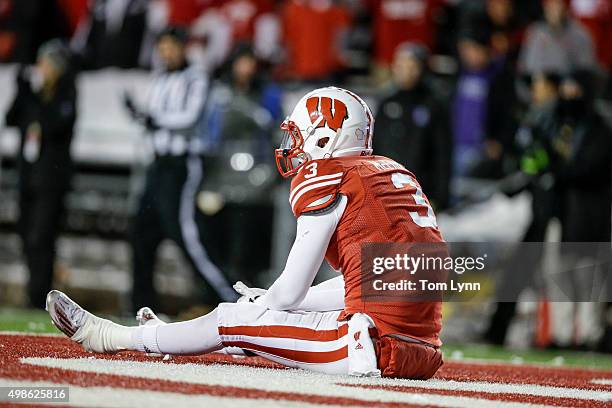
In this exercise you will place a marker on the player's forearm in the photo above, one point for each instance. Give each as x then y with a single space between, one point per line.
282 296
304 260
323 300
330 284
324 297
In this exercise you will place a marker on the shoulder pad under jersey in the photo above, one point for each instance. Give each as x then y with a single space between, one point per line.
316 186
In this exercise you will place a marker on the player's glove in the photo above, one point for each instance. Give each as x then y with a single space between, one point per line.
247 294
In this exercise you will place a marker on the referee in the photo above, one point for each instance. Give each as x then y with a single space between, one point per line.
167 208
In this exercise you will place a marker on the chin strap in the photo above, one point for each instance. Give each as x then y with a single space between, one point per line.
333 146
314 126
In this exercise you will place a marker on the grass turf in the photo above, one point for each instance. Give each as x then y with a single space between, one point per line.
24 320
562 358
38 321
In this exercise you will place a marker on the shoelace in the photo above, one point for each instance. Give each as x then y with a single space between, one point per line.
75 314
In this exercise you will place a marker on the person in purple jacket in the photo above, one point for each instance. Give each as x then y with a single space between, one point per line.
478 141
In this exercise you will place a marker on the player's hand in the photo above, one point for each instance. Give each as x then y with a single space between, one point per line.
247 294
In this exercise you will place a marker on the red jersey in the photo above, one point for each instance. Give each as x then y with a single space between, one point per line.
398 21
184 12
311 37
385 205
243 15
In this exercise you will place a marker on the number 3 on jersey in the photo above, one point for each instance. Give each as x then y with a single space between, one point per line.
400 180
312 170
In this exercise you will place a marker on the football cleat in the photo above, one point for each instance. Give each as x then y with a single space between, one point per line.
146 317
93 333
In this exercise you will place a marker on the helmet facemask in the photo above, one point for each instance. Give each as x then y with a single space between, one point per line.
290 156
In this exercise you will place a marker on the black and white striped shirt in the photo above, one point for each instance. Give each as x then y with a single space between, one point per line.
176 105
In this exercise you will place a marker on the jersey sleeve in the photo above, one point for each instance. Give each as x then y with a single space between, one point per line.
315 187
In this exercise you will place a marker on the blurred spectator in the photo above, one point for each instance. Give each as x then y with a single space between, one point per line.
253 21
314 32
25 25
566 149
112 34
167 208
500 19
506 17
581 158
243 112
470 101
245 17
596 16
398 21
483 107
217 25
506 31
211 40
412 125
558 43
532 142
44 110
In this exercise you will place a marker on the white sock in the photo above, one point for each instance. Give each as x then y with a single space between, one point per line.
193 337
144 338
115 337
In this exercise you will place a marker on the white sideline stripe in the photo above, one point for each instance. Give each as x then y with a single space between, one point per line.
128 398
290 344
313 180
602 381
312 187
506 388
307 382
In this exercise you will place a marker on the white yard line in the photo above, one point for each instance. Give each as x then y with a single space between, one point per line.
497 388
305 382
129 398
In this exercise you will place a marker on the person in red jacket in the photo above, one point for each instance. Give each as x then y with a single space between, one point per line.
399 21
313 32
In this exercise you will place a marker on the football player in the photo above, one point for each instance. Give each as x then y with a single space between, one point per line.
343 197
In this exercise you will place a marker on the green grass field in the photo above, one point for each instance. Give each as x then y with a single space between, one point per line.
21 320
35 321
